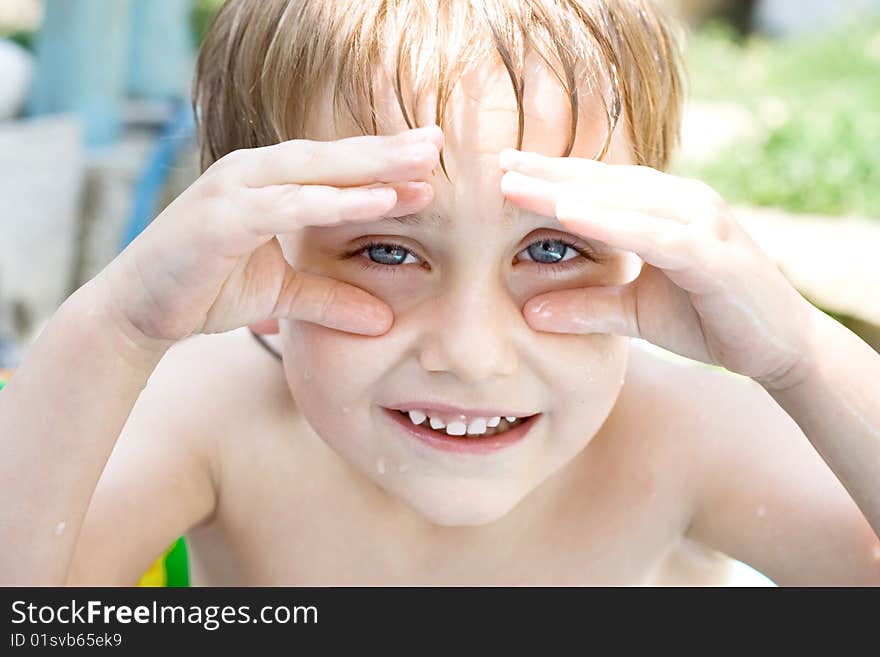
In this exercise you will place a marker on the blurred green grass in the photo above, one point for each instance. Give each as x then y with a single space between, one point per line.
817 97
202 14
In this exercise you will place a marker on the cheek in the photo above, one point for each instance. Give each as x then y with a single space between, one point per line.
585 375
332 375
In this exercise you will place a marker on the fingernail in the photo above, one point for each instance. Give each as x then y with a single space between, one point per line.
541 309
361 203
420 152
365 316
430 132
509 158
412 195
541 314
376 320
514 182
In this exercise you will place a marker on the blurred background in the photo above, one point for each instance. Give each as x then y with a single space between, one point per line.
96 137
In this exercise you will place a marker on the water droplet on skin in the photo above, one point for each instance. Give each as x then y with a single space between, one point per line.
761 511
60 527
380 466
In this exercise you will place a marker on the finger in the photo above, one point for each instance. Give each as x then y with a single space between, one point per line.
550 168
534 194
624 187
410 155
333 303
281 209
598 309
664 244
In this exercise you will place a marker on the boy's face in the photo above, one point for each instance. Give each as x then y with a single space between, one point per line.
457 285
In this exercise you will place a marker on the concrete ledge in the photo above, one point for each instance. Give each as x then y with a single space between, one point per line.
834 261
42 170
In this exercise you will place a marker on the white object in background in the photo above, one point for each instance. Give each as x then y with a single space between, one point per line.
743 575
781 17
16 71
42 171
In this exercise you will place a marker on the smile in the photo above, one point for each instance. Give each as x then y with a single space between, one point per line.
451 431
461 425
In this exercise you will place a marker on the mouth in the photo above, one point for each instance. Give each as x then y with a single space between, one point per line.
473 432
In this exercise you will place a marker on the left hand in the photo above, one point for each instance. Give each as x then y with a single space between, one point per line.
706 291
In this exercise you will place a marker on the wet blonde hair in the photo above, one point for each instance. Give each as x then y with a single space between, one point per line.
265 62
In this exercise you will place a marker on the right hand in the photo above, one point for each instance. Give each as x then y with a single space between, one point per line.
210 262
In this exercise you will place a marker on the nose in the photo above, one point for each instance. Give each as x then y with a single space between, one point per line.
470 332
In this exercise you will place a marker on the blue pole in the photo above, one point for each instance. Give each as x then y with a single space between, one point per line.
176 134
82 53
161 50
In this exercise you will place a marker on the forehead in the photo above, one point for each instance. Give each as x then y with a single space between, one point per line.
481 117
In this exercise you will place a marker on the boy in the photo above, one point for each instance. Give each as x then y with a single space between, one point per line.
459 400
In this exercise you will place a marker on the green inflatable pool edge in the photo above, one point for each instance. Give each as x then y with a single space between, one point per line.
177 565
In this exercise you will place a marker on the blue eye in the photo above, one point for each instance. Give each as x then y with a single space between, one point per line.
389 254
549 251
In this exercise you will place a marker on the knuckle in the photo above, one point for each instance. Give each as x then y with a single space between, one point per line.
673 241
711 209
211 187
214 227
217 177
294 203
308 152
337 210
292 292
711 200
211 184
234 159
292 196
328 303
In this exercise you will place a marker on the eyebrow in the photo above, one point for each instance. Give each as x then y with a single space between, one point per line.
433 219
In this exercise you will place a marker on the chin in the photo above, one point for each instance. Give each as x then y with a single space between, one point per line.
463 511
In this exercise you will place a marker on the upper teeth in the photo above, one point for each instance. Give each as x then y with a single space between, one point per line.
477 425
460 425
456 428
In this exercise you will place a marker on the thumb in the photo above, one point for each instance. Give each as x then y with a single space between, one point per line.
332 303
266 327
597 309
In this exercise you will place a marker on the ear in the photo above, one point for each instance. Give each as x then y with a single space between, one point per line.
266 327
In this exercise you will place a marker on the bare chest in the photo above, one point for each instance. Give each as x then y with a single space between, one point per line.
618 527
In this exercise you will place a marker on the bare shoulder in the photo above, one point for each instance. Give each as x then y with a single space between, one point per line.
669 404
703 420
689 413
759 490
226 374
219 391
